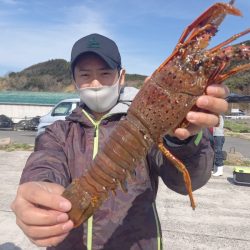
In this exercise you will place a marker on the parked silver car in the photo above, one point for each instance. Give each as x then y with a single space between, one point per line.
59 112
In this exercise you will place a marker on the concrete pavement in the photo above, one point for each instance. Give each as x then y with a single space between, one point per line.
220 221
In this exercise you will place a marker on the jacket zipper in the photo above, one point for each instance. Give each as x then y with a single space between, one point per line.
159 237
95 150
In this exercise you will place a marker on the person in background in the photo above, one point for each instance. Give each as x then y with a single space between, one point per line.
219 139
211 138
66 148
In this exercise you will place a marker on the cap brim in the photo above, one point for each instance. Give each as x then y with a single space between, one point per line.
111 63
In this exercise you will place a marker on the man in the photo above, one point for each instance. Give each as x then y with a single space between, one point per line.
65 150
219 140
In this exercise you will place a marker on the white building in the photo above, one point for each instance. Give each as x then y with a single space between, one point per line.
21 105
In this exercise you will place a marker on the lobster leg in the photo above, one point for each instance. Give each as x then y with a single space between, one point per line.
214 77
211 15
199 32
177 48
233 71
181 167
231 39
200 38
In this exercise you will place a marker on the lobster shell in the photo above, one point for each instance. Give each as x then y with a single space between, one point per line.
160 106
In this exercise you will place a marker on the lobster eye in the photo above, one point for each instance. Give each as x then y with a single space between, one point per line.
197 65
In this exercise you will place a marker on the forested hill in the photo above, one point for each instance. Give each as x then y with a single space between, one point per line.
54 75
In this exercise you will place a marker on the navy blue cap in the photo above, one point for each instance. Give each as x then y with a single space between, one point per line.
100 45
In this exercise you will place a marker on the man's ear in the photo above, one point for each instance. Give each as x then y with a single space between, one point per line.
74 85
122 77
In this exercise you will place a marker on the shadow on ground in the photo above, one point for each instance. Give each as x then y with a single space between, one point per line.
9 246
231 181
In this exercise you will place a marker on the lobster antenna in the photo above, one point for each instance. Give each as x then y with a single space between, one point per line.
223 15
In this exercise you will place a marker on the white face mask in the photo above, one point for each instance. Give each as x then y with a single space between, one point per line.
100 99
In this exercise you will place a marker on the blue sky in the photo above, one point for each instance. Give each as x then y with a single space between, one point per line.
146 31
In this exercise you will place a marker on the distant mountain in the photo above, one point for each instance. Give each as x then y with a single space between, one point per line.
54 75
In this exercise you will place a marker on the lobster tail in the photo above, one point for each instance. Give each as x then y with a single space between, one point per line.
110 168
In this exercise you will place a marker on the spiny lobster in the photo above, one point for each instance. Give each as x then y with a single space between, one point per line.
160 106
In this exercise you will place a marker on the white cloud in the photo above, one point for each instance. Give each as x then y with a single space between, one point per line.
24 45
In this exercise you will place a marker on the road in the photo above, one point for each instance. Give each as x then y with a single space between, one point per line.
27 137
231 143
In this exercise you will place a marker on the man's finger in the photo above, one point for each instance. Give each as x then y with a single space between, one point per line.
40 232
32 215
184 133
212 104
49 242
41 195
203 120
218 90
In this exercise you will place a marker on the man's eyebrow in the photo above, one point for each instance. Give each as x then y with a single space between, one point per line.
104 68
84 69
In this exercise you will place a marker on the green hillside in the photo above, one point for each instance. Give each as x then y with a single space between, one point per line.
53 75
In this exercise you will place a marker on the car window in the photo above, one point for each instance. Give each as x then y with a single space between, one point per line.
62 109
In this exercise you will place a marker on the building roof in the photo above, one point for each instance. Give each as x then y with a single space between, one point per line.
34 98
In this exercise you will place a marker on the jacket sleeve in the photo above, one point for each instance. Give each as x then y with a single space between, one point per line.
48 162
196 154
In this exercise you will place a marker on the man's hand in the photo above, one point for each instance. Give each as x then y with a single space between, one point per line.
41 212
213 102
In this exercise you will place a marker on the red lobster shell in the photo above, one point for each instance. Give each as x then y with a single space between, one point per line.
160 106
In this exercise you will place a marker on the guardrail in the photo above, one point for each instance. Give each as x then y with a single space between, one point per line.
237 117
